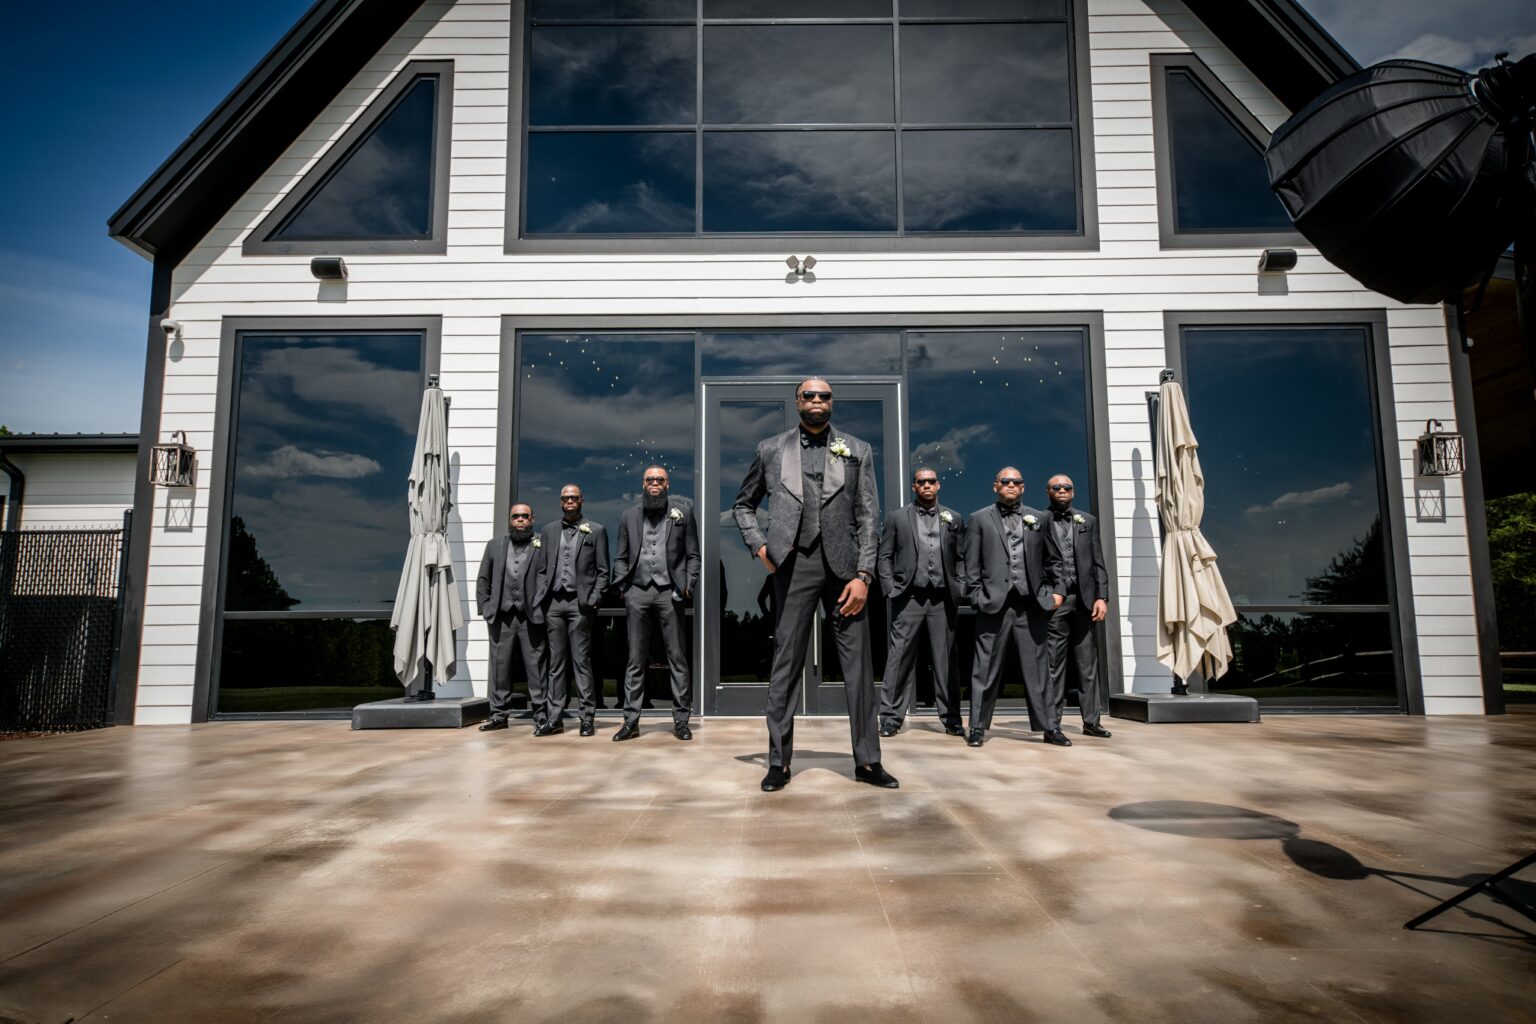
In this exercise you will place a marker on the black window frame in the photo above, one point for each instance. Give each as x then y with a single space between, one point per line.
210 629
1169 236
259 242
1084 239
1373 322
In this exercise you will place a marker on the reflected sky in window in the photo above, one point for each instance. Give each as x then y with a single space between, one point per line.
983 8
649 10
595 410
382 189
799 181
799 354
599 74
610 183
1220 182
989 181
798 74
1288 448
323 438
797 8
982 400
958 74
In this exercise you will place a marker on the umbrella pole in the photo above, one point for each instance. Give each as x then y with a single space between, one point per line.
1179 687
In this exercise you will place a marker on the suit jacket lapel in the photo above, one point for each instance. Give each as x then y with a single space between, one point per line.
836 471
789 464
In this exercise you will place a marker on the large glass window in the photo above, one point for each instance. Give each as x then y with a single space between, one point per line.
666 119
324 426
1293 508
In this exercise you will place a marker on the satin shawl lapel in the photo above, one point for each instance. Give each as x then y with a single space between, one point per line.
789 464
836 472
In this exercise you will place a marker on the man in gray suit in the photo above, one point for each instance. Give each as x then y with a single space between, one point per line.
509 592
1085 582
919 566
657 569
577 556
823 515
1011 575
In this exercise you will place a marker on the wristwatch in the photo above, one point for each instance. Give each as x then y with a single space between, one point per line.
865 575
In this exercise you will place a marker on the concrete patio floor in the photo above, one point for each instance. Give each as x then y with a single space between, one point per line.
298 871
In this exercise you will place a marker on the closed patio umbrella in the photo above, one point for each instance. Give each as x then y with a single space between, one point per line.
1193 607
427 613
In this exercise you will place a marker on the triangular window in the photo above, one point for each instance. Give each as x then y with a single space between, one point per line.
381 186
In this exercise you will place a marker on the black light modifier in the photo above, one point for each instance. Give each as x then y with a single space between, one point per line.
328 268
1277 261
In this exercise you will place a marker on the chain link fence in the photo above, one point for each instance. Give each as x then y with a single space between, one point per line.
60 602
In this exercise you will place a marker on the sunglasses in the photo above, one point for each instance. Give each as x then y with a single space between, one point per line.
569 497
925 483
810 396
655 479
521 515
1010 481
1061 487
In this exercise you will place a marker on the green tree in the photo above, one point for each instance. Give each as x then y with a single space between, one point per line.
1512 552
252 585
4 430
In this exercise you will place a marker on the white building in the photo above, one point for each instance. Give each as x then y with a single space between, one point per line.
578 213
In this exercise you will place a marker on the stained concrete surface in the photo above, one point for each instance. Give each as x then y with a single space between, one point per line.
299 871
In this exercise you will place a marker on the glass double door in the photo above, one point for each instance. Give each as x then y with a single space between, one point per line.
736 605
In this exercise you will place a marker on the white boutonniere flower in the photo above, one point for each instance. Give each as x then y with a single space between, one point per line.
676 514
1032 522
1079 520
946 518
584 528
537 543
839 448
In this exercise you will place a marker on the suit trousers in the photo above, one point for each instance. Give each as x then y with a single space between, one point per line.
1071 633
647 610
509 630
915 611
802 582
570 655
1027 625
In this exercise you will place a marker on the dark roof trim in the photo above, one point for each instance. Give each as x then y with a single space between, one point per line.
236 144
69 444
1280 43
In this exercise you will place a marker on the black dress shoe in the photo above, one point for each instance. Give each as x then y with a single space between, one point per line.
875 776
953 729
887 731
587 728
1057 738
554 728
682 731
1095 729
627 731
492 724
976 738
776 779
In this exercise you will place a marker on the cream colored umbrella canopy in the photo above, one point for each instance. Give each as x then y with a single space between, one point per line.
427 613
1193 607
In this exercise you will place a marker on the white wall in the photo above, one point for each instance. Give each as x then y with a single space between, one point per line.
75 490
1130 279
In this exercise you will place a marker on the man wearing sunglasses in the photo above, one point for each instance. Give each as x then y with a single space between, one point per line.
509 593
820 544
576 551
1085 582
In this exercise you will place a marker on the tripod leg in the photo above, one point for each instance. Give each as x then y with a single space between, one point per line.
1488 885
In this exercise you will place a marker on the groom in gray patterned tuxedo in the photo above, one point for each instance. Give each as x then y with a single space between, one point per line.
823 518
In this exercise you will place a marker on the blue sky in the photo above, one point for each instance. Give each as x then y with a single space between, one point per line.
99 92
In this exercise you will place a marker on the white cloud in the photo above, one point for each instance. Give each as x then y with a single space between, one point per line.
1304 499
289 461
947 454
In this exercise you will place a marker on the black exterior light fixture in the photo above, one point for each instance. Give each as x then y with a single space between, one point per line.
1441 453
173 464
328 268
1277 261
800 269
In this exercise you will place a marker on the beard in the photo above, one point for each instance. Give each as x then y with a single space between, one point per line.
573 515
521 534
816 418
1062 501
654 504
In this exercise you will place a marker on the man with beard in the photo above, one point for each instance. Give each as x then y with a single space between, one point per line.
657 569
919 565
577 557
509 592
823 516
1085 582
1011 576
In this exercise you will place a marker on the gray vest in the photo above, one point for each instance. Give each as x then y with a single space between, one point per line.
518 557
653 551
928 567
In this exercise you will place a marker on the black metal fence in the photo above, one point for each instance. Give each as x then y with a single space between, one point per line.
60 598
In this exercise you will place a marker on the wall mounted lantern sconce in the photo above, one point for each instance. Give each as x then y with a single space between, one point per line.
174 464
1441 453
800 269
1277 261
328 268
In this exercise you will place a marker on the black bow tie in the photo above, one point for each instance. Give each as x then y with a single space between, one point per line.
1060 515
569 526
1008 510
927 511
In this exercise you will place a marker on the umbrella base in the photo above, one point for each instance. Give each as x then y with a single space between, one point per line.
442 713
1158 708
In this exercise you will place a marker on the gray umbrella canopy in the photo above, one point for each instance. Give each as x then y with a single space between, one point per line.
427 612
1193 607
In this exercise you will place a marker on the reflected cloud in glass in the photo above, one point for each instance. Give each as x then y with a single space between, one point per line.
617 10
959 74
1220 182
610 183
990 180
822 181
983 8
798 74
799 354
633 74
797 8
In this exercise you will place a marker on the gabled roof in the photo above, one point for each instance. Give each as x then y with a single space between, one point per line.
1288 51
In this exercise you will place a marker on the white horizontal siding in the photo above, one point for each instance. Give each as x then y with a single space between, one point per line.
76 490
1129 280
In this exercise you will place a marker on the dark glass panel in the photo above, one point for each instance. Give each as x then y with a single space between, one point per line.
798 74
982 400
983 9
799 181
617 10
797 8
961 74
761 354
990 180
610 183
1288 449
747 598
382 188
603 74
1312 660
271 666
1219 179
595 410
323 439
